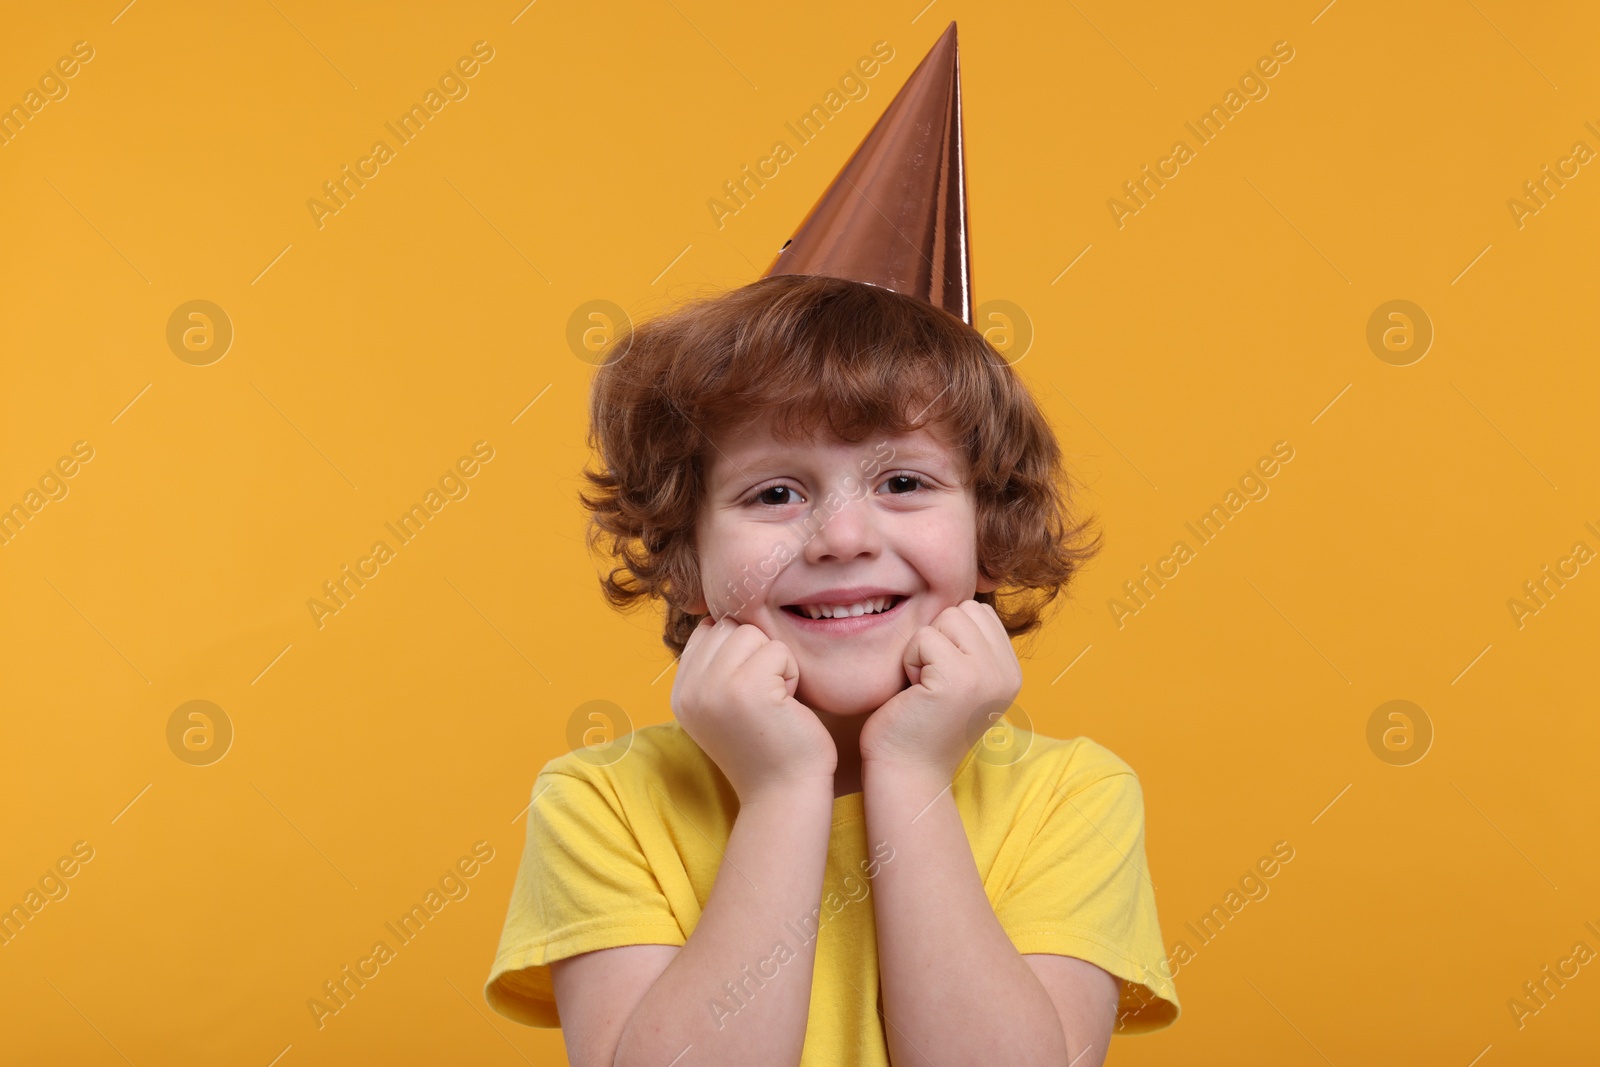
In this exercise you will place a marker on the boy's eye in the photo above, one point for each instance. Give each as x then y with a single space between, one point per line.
901 478
761 497
781 495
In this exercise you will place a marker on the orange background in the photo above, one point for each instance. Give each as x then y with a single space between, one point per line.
369 754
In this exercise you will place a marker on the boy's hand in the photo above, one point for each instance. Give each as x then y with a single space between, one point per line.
964 674
734 695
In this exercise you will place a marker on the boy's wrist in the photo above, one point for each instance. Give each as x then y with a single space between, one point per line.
920 777
789 790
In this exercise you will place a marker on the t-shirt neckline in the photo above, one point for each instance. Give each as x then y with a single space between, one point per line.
848 808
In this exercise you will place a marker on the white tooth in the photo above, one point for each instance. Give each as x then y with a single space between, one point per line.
840 611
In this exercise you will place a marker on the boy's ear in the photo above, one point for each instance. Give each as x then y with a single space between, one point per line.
985 585
697 606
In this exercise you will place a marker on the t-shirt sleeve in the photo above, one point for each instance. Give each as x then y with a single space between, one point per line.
583 884
1084 890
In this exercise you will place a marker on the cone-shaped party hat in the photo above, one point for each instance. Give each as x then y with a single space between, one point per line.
896 215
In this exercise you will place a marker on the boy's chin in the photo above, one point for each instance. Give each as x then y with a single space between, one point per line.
847 698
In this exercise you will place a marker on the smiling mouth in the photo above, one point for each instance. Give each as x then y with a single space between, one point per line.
815 613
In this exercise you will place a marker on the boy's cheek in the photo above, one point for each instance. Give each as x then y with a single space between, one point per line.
740 615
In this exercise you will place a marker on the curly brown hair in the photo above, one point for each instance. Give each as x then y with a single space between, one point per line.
805 352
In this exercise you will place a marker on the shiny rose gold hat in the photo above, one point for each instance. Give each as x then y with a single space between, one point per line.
896 215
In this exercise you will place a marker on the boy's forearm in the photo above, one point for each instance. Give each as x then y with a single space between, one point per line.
955 989
720 993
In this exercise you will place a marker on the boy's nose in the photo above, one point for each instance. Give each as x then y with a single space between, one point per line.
843 531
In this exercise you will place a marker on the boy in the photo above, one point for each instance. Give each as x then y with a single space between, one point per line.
828 476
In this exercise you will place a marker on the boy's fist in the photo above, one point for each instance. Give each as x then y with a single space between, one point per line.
734 695
962 670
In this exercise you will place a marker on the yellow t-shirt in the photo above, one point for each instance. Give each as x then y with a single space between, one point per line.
626 853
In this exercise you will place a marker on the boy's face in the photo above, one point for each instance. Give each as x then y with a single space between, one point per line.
826 521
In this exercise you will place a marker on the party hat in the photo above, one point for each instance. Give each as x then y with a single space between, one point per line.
896 214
